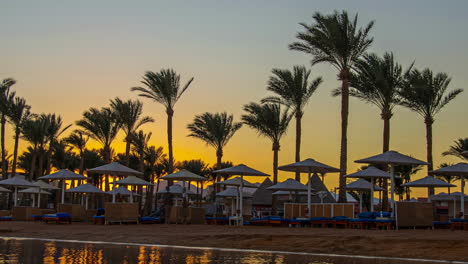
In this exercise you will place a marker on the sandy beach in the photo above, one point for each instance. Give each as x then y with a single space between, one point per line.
428 244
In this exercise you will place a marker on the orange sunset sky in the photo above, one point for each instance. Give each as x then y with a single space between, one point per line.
68 56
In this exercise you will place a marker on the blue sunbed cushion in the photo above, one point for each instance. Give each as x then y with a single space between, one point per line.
319 218
99 217
441 223
63 215
366 215
149 218
5 217
35 216
459 220
339 218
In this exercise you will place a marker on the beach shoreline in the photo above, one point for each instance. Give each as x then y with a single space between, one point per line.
423 244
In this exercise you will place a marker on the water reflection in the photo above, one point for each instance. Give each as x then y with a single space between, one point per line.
33 251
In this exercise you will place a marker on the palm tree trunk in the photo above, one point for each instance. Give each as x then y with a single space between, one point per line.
429 121
344 76
48 160
298 141
33 164
170 114
107 153
40 169
219 161
127 151
81 169
276 148
3 123
386 147
15 151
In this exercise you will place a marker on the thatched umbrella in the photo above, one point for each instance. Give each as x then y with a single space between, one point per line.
360 186
86 189
16 181
63 175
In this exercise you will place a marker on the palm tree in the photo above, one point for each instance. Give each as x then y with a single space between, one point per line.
19 113
294 90
269 121
337 40
129 114
34 131
459 146
215 130
426 94
140 141
446 178
6 100
78 140
54 130
405 172
102 126
376 82
164 87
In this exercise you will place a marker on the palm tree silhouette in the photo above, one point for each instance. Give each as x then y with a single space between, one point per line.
6 100
337 40
78 140
376 82
34 131
426 94
294 90
54 130
18 114
129 114
459 146
102 126
269 121
215 130
164 87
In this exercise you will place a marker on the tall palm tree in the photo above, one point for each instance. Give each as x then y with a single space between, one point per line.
164 87
18 114
34 131
269 121
153 157
215 130
6 100
338 40
459 146
376 82
78 140
294 90
54 131
426 94
130 116
102 126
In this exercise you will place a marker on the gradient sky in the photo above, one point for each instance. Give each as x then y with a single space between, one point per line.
68 56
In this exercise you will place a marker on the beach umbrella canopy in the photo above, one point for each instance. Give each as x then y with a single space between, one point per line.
241 170
428 181
232 192
86 188
370 172
132 180
184 175
308 166
392 158
287 193
237 182
34 190
459 169
288 185
447 197
362 185
45 186
16 181
63 175
115 169
121 191
4 189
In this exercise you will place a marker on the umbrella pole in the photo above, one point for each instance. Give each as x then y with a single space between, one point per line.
15 196
33 200
462 198
392 188
113 197
309 206
86 201
39 199
360 202
63 191
372 196
241 205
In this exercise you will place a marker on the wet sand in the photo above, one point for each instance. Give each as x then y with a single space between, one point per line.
427 244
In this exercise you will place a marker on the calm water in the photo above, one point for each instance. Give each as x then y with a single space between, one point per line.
36 251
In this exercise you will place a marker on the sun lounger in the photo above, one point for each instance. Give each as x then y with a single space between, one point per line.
150 220
5 218
57 218
458 224
441 224
99 219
